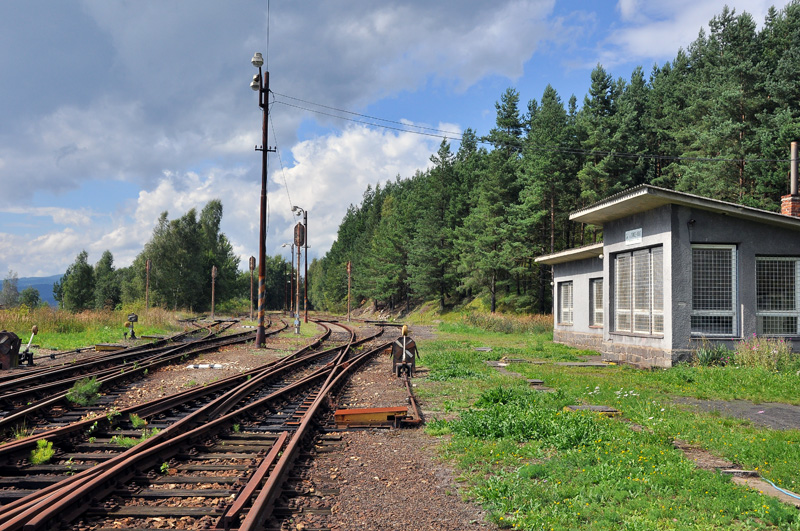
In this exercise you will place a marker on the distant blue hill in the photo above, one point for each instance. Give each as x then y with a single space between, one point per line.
43 284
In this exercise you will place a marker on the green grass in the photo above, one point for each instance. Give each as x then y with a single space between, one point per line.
61 330
136 421
534 466
130 442
42 453
84 392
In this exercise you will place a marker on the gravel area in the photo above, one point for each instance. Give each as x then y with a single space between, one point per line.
233 360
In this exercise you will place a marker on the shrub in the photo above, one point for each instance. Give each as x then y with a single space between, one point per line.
42 453
766 353
84 392
710 354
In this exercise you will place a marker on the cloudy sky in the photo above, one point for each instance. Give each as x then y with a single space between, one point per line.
113 111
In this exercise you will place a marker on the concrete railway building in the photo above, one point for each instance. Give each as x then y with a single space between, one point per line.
673 270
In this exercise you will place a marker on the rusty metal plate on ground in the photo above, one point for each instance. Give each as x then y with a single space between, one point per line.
377 416
108 347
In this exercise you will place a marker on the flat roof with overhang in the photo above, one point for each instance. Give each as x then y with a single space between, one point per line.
646 197
594 250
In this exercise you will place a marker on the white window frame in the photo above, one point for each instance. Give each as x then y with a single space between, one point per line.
701 313
766 311
596 315
639 291
566 302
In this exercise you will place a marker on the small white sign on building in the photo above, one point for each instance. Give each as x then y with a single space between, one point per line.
632 237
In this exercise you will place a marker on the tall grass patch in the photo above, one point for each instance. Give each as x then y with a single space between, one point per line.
766 353
62 330
510 324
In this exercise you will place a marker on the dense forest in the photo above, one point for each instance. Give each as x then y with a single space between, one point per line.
716 121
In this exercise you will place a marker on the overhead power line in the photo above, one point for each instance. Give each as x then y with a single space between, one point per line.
454 136
449 135
283 170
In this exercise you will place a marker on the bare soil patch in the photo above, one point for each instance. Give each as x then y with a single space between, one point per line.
391 479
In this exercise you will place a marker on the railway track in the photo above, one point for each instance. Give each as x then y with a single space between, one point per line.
214 457
38 400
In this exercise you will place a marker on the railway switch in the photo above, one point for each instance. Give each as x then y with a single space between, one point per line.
9 350
132 318
404 355
26 356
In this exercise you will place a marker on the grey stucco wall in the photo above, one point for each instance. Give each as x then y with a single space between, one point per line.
656 227
751 240
579 272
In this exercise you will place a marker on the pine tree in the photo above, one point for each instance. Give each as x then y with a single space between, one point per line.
389 254
432 254
535 217
596 121
482 240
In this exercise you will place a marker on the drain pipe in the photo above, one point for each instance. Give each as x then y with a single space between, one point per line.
793 170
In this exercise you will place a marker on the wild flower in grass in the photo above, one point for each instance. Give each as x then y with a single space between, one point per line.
766 353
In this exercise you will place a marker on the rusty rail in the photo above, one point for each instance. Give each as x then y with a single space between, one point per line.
66 500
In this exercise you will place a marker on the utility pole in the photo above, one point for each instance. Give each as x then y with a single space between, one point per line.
285 285
260 84
147 285
299 240
305 260
349 268
213 282
252 268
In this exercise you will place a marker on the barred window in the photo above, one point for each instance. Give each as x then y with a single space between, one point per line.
596 302
778 296
713 290
639 291
565 302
